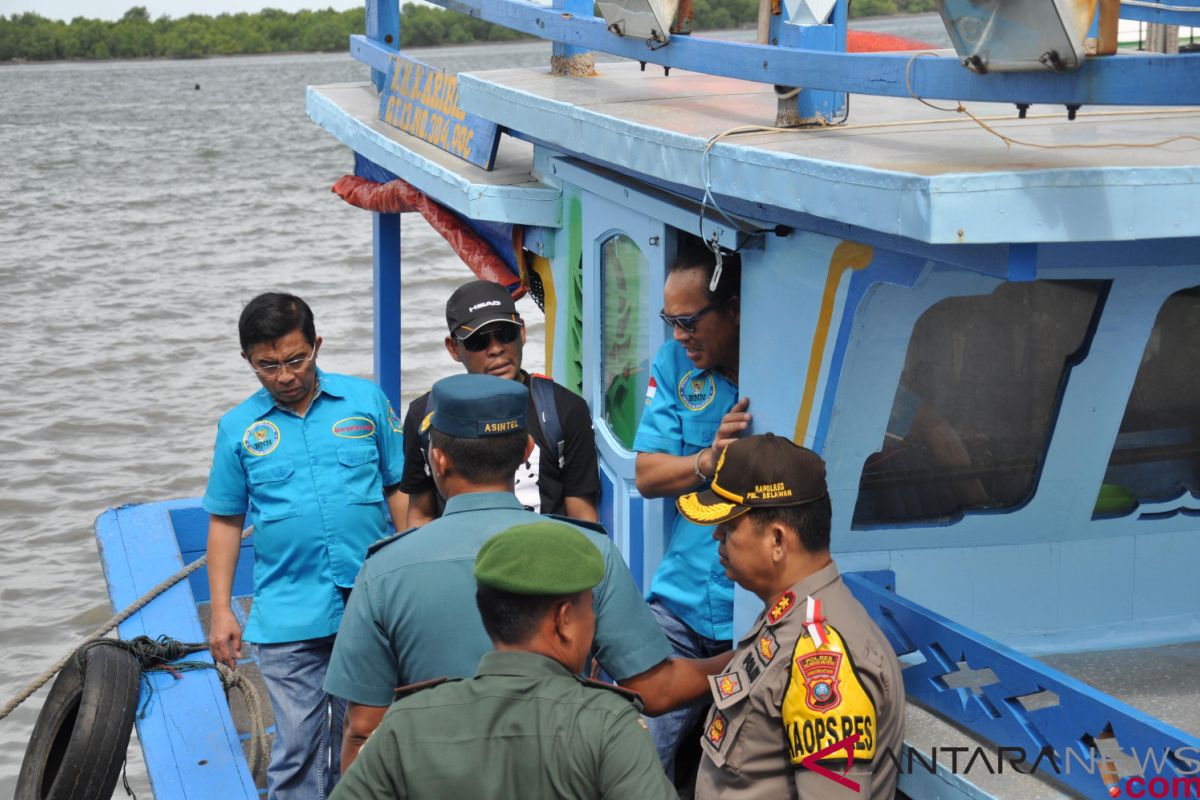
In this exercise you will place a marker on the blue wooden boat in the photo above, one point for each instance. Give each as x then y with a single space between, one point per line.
987 322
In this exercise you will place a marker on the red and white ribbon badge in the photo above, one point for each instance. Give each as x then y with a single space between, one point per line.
814 621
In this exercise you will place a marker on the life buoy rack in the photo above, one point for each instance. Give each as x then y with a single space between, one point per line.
82 732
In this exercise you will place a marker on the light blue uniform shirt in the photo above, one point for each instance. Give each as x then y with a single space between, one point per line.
412 614
684 407
313 490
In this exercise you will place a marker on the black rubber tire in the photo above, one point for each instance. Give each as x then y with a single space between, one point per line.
82 732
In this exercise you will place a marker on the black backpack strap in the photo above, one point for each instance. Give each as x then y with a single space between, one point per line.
579 523
542 390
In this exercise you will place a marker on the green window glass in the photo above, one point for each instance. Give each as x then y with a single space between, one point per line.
624 330
1156 457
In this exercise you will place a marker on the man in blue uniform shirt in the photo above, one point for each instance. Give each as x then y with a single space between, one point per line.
314 458
412 615
692 412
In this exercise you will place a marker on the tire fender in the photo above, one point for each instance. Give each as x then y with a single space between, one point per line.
82 732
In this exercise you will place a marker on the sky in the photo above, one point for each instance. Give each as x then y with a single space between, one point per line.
114 9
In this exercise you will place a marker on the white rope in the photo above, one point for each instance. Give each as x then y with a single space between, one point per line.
138 605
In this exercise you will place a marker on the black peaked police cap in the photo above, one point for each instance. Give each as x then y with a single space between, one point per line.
476 304
475 406
757 472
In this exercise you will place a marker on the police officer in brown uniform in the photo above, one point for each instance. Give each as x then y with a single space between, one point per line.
812 704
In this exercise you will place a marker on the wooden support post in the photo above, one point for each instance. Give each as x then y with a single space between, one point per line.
387 305
383 26
568 60
1110 14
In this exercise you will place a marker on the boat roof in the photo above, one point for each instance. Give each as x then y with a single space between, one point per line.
897 166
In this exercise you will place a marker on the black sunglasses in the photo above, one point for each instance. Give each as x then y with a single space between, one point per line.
479 340
687 323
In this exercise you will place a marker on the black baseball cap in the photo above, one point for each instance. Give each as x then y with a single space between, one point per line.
757 472
476 304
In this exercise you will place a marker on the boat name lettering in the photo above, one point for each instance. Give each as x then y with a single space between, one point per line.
424 102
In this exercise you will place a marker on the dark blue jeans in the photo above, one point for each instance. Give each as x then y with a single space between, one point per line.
306 756
668 730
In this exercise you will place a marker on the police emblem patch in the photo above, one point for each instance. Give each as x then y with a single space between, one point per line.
261 438
767 647
785 603
820 670
697 390
716 730
728 684
425 423
353 428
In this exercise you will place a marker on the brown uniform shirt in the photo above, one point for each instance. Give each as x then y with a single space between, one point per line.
783 700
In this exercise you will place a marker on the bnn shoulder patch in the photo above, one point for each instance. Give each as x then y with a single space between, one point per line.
825 703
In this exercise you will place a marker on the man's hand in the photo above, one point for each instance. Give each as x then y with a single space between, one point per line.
733 424
224 545
225 637
676 682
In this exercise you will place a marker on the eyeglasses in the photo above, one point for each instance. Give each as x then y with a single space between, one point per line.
479 340
292 364
687 322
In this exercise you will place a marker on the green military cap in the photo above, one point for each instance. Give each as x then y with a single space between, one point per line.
476 406
547 558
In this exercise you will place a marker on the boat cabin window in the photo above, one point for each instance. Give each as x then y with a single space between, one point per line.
976 402
625 331
1156 456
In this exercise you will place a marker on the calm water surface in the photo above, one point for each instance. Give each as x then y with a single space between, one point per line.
137 215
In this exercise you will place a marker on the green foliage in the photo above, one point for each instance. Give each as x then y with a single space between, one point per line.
423 26
31 37
711 15
874 8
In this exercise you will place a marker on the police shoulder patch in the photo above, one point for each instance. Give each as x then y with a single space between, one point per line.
375 547
261 437
826 703
425 423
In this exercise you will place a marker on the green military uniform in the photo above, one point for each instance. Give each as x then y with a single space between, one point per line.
784 699
523 727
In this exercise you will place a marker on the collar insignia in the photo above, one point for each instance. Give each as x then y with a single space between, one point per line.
782 607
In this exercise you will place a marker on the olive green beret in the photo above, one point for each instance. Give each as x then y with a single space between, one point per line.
547 558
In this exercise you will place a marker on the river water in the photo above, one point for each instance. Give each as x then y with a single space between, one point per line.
141 205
